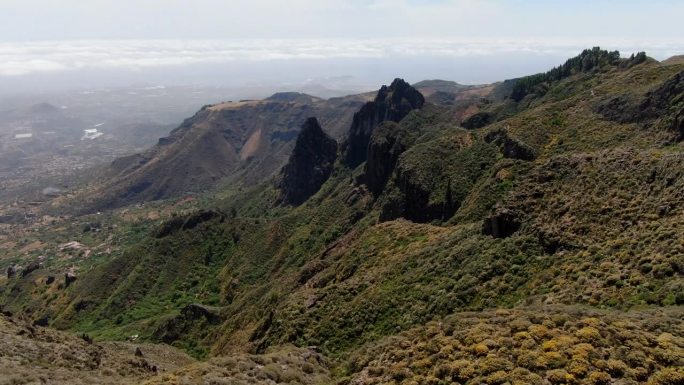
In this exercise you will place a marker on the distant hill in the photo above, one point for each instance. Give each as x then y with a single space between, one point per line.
679 59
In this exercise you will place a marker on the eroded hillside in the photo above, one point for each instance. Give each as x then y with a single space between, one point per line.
556 199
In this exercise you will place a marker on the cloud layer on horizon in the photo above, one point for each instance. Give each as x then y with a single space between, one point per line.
26 58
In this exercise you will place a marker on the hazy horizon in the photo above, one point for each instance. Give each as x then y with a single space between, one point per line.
51 46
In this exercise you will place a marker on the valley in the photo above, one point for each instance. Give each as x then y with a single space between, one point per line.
528 231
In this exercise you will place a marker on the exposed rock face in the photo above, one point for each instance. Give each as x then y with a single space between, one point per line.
69 278
392 103
33 266
665 101
310 164
678 126
11 271
658 101
247 140
510 148
478 120
501 224
386 144
431 179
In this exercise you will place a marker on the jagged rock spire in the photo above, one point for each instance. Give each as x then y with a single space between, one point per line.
310 164
392 103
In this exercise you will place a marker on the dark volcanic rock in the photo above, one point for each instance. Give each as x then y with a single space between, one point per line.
69 278
11 271
386 144
510 148
33 266
42 321
392 103
310 164
501 224
678 126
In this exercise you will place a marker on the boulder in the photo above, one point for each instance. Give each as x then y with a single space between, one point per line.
42 321
33 266
69 278
11 271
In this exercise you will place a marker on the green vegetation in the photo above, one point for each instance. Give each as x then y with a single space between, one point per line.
400 284
588 60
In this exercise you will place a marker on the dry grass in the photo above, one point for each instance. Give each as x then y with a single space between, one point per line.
35 355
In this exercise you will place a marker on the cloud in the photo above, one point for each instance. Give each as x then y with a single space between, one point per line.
34 57
223 19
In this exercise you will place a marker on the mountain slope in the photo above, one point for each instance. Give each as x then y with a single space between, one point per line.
249 140
556 219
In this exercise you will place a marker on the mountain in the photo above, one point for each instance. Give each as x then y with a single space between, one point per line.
248 139
542 245
391 103
310 164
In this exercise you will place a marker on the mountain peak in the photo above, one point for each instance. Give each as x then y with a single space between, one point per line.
391 103
310 164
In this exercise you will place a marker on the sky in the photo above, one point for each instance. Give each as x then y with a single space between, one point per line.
78 43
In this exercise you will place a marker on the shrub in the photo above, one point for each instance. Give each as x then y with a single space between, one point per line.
599 378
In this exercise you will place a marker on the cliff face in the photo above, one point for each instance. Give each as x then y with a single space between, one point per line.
387 142
247 141
310 164
392 103
664 103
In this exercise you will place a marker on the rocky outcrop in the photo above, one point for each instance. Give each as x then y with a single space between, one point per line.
309 166
510 148
658 101
501 224
431 179
249 141
30 268
392 103
69 278
666 101
387 142
11 271
678 126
